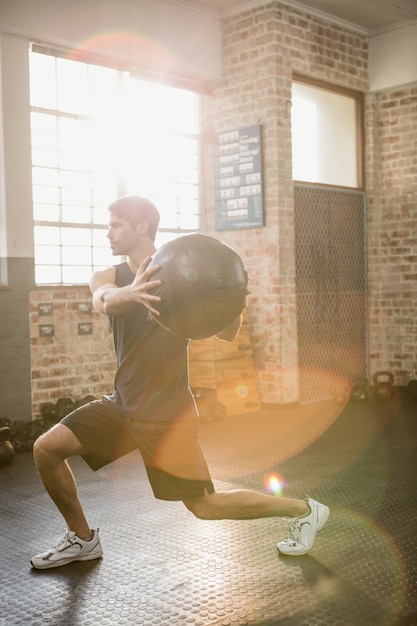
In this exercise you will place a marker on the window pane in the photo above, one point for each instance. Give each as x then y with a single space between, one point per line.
169 216
73 160
186 161
188 221
76 254
106 149
187 192
189 204
72 86
47 235
186 111
76 274
44 140
47 274
103 91
48 255
76 180
47 158
46 195
164 237
46 213
42 92
99 237
324 136
43 122
80 215
102 256
101 213
75 236
73 140
76 197
45 176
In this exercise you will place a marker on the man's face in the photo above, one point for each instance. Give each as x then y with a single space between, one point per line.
121 235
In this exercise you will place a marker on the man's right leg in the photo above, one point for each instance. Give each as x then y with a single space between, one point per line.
50 452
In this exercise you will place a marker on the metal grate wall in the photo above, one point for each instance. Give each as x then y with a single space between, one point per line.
331 289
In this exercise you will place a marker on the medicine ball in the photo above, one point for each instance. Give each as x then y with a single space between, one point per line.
203 285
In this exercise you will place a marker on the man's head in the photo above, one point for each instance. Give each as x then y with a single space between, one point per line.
136 210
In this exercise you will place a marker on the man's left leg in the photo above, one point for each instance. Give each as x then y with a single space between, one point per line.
307 516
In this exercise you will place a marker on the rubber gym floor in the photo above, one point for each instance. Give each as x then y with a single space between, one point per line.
163 566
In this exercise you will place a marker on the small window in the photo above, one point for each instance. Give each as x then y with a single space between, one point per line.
326 135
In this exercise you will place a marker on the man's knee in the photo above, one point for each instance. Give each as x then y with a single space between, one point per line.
56 444
204 508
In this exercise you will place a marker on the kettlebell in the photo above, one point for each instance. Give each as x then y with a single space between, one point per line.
360 389
63 407
412 389
7 452
383 386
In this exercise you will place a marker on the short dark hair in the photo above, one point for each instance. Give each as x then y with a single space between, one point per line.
135 209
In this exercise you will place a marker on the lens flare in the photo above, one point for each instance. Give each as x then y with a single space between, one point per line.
274 484
191 274
126 44
242 391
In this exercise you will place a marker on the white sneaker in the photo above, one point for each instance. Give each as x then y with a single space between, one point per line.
302 530
70 548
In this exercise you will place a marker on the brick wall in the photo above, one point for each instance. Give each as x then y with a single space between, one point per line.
262 48
392 231
68 361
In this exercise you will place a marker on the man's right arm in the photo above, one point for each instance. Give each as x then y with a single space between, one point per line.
109 299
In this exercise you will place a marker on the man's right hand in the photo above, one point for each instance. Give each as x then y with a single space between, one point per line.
109 299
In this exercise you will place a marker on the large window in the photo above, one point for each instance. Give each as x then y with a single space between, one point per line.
326 134
98 133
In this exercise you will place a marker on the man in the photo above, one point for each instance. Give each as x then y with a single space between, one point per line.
151 409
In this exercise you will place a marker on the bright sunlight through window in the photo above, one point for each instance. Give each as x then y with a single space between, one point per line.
98 133
325 138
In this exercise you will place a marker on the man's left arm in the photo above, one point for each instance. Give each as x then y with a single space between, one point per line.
231 330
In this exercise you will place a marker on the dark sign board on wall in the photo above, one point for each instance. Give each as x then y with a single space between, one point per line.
238 179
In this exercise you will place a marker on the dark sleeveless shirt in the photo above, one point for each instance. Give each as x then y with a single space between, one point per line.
151 381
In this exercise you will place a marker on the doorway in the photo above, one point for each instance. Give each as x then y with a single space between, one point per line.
330 256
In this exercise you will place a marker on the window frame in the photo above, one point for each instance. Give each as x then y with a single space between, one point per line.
358 99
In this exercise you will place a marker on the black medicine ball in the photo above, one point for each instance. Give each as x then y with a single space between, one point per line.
203 285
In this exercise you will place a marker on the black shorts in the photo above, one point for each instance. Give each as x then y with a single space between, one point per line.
175 464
